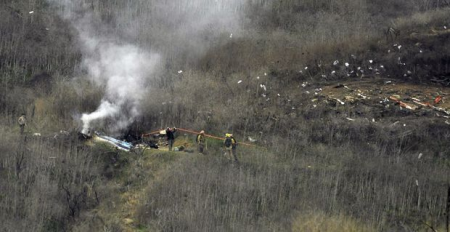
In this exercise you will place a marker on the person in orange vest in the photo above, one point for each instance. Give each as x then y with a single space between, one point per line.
201 141
231 145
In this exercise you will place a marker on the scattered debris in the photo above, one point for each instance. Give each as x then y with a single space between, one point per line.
240 81
350 119
37 134
31 12
231 35
420 155
181 71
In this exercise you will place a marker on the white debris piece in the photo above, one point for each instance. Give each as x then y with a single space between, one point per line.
420 155
324 76
333 72
265 74
347 64
359 68
31 12
263 87
240 81
47 29
399 46
307 92
373 120
389 51
231 35
336 62
370 61
350 119
279 95
181 71
341 102
417 182
381 66
421 51
251 139
37 134
314 106
306 68
445 27
257 77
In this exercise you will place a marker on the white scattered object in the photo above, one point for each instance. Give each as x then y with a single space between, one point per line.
293 108
251 139
336 62
445 27
404 124
421 51
265 74
341 102
37 134
447 122
359 68
240 81
47 29
370 61
347 64
314 106
417 182
263 87
306 68
31 12
373 120
324 76
279 95
420 155
389 51
399 46
333 72
350 119
381 66
181 71
257 77
231 35
307 92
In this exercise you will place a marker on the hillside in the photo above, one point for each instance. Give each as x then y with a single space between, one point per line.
346 103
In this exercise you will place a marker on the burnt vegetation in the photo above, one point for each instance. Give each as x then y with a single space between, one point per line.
313 169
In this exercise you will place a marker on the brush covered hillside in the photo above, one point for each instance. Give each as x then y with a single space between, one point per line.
345 105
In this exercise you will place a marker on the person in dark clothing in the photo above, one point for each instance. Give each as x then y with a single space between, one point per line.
201 141
22 123
170 133
231 145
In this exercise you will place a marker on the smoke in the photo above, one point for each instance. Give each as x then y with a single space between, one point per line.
175 28
122 69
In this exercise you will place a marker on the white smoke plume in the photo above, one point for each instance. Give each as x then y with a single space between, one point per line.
177 28
121 69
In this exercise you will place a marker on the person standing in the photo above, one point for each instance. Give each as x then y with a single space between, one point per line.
201 141
22 123
231 145
170 133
